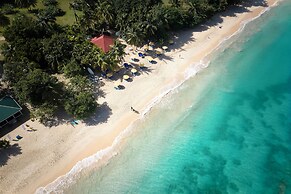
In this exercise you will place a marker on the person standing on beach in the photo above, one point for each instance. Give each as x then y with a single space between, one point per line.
131 108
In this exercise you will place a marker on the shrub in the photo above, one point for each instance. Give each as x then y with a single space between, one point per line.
72 69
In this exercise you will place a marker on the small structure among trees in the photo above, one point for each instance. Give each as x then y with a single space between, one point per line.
104 42
9 110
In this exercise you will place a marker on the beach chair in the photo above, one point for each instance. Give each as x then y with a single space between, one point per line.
141 55
135 60
126 66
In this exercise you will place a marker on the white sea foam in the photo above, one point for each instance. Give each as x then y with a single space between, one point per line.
70 178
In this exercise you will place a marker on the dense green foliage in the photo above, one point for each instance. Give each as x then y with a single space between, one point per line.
141 21
37 88
72 69
38 49
81 103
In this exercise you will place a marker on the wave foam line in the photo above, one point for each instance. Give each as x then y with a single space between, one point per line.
69 178
106 154
63 182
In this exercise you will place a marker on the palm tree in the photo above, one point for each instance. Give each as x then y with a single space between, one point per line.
46 19
104 12
25 3
117 51
102 62
133 36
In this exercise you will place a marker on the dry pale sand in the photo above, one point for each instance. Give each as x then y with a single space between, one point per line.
48 153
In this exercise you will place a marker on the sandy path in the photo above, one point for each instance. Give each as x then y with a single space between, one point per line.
48 153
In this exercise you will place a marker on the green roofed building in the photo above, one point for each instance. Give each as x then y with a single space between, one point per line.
9 110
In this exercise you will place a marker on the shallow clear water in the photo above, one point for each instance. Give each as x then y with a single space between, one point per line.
226 130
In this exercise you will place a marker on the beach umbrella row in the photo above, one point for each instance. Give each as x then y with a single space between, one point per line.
151 48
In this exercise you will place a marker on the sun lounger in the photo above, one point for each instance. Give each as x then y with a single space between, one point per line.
141 55
135 60
127 66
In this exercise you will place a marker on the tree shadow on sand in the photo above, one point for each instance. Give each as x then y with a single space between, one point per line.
62 117
101 115
185 36
6 154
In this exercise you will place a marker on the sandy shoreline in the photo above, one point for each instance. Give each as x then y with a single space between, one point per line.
49 153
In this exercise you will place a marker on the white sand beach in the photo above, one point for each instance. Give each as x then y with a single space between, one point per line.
48 153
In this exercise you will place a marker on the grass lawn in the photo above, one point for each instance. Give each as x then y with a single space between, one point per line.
68 18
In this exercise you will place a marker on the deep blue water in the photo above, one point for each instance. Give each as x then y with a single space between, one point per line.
226 130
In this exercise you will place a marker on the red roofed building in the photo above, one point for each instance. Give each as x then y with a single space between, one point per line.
104 42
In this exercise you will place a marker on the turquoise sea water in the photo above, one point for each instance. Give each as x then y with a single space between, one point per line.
226 130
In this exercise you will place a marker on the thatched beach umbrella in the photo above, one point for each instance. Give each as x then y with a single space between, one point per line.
126 77
165 47
110 74
159 51
145 47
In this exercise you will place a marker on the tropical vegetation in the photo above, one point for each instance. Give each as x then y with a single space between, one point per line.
38 49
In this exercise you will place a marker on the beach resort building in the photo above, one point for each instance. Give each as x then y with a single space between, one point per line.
9 111
104 42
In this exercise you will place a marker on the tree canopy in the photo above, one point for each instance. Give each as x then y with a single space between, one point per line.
38 49
80 99
141 21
